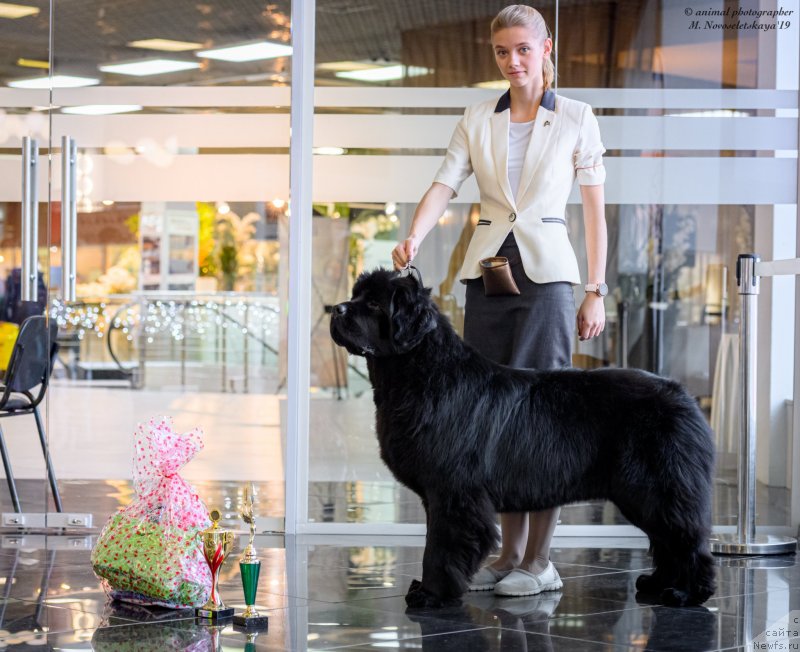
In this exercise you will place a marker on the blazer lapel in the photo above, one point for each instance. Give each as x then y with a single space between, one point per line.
543 128
499 127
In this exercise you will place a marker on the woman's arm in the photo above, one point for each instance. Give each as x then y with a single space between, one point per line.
591 314
429 210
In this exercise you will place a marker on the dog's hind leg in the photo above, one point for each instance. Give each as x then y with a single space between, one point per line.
686 525
656 582
461 533
694 575
702 580
684 568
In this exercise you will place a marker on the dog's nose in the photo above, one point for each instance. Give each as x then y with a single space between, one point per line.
340 309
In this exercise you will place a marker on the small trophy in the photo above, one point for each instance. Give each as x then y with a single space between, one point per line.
250 567
217 543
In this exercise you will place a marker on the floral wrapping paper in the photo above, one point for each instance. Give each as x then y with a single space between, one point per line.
149 552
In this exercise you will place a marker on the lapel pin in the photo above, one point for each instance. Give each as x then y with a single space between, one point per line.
546 123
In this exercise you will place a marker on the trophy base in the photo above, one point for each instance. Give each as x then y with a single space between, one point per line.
214 615
253 623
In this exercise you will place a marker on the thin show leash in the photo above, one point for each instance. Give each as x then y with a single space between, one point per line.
410 270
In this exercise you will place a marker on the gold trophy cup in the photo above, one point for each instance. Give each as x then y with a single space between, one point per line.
217 544
250 567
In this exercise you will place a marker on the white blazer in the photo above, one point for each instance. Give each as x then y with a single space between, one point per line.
565 144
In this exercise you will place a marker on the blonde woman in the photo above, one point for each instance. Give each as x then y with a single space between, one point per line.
526 149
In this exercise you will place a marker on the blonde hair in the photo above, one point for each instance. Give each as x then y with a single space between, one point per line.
525 16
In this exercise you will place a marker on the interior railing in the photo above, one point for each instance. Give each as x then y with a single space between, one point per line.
225 342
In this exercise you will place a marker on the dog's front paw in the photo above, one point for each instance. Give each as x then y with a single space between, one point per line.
415 585
419 597
648 584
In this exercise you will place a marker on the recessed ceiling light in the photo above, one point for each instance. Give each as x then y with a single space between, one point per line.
101 109
147 67
16 11
165 44
495 84
33 63
384 73
56 81
248 52
337 66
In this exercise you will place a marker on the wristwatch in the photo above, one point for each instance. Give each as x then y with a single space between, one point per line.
600 289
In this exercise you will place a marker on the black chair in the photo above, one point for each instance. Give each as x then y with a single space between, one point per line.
29 367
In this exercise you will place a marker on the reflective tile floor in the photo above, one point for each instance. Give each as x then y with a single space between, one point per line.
347 593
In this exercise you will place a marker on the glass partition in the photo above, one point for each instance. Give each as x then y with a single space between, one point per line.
181 182
24 257
688 118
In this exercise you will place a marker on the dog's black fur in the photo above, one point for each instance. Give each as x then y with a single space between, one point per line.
473 438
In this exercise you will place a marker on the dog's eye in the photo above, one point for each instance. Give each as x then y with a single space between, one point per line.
374 306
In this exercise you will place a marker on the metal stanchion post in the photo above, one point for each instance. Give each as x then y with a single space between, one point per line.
745 541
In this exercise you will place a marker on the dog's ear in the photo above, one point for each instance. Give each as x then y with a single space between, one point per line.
413 315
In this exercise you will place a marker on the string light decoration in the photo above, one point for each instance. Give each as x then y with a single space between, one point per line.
151 319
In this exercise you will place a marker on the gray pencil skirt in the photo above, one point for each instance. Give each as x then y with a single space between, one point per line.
532 330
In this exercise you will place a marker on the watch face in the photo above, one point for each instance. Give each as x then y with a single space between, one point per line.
602 289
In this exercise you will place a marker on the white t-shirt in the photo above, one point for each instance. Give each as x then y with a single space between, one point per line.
519 135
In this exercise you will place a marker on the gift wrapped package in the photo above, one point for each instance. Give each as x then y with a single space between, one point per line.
149 552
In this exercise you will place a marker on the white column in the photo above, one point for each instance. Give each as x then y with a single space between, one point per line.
775 238
794 457
299 304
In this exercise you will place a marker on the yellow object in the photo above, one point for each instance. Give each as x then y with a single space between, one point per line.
8 335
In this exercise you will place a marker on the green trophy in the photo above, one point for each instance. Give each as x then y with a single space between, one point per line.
216 544
250 567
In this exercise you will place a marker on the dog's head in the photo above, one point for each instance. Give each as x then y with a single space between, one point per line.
389 314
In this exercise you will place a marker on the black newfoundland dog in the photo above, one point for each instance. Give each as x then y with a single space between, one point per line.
473 438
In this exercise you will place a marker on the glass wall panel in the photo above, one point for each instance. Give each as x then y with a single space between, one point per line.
24 219
181 189
674 309
696 158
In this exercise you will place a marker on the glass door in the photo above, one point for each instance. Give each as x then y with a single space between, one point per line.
177 238
24 262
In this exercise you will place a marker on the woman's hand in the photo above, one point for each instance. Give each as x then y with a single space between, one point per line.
591 317
404 253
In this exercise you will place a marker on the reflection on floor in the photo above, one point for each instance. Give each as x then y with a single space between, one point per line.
91 428
348 594
350 502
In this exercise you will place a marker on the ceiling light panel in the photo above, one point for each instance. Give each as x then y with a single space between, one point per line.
16 11
56 81
147 67
387 73
346 66
248 52
101 109
165 45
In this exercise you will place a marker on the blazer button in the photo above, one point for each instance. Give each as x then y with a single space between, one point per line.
512 217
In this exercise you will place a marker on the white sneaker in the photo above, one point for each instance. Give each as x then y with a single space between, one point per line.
486 579
520 582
